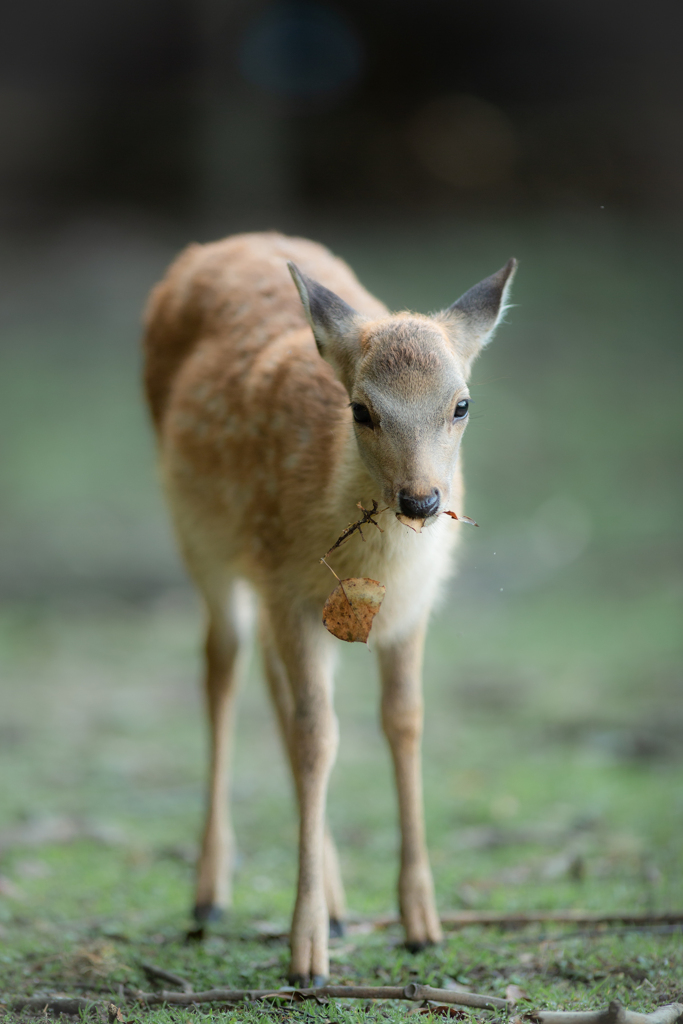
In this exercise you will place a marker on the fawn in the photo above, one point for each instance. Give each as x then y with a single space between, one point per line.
278 409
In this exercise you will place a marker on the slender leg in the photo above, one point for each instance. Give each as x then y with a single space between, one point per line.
283 700
401 672
304 650
223 664
335 897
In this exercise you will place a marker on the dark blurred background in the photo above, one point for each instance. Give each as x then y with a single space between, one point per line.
425 141
217 115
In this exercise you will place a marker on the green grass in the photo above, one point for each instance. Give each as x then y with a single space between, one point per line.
554 711
532 803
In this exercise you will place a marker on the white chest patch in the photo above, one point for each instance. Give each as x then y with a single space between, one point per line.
411 566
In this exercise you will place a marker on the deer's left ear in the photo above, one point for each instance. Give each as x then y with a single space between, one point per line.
473 318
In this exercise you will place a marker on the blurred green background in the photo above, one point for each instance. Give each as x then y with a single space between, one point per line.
554 725
553 673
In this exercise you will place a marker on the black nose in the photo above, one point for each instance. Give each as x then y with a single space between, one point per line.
418 506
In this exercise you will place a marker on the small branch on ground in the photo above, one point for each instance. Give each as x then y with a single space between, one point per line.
153 972
447 995
615 1013
412 992
57 1004
491 918
462 918
598 931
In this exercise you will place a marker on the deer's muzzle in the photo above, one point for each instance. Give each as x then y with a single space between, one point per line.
419 506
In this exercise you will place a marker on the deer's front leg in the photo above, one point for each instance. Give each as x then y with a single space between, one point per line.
305 652
281 692
214 870
401 672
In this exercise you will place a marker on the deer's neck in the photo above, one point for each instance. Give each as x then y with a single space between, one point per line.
352 482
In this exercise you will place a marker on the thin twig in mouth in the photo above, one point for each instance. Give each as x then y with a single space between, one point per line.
341 583
367 517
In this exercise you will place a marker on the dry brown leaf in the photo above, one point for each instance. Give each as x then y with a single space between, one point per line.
351 607
412 524
461 519
114 1014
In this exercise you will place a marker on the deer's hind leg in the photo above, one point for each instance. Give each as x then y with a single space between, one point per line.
281 693
229 607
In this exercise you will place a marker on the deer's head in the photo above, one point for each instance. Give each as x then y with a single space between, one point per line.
406 376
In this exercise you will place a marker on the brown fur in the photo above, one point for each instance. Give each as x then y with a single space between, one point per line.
263 467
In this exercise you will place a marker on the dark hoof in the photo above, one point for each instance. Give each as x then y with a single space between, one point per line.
297 980
303 981
337 928
418 947
206 912
195 934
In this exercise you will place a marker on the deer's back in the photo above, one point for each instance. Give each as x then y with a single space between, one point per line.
237 291
251 421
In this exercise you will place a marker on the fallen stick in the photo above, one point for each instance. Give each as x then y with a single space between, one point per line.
447 995
412 992
593 933
59 1004
462 918
514 919
152 972
615 1013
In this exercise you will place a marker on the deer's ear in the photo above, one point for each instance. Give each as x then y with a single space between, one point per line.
473 317
335 325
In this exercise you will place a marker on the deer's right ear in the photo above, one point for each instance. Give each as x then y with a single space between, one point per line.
335 325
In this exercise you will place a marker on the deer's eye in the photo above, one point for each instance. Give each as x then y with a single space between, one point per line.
461 409
361 414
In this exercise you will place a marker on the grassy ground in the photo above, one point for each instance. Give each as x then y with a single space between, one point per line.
529 805
554 711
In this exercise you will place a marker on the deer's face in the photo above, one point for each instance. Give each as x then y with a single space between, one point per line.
406 377
410 406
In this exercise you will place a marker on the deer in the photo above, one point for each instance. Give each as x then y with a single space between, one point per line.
283 395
